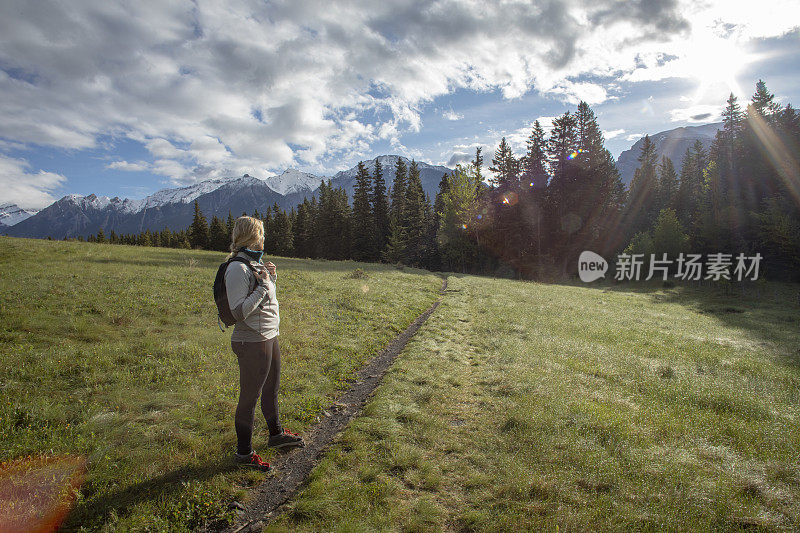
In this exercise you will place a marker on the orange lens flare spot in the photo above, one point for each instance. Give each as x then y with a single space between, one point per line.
36 493
510 198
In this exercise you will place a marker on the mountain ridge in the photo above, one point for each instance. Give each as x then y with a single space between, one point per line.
11 213
76 215
671 143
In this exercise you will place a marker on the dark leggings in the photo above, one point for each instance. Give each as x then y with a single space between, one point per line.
259 374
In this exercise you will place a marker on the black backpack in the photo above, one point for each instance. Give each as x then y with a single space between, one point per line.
224 314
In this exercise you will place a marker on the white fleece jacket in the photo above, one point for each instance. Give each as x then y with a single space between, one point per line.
253 303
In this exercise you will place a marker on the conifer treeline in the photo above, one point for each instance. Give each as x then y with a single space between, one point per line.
742 195
540 210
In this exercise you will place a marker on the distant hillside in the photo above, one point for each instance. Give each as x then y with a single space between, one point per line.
11 214
671 143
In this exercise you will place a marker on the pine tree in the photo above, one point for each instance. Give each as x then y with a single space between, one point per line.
459 209
505 166
436 210
477 165
438 203
101 236
166 238
642 197
314 235
342 224
270 243
534 163
302 230
599 194
668 235
560 221
198 233
763 101
398 191
230 223
667 184
732 117
363 217
144 239
380 207
690 187
429 253
414 217
332 224
282 237
396 245
726 146
293 221
562 144
218 240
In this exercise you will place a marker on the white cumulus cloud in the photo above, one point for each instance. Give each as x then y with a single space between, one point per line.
612 134
222 88
24 187
128 166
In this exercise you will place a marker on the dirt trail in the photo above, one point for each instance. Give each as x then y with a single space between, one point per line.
292 468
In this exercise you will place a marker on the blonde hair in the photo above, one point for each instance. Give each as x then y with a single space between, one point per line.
247 231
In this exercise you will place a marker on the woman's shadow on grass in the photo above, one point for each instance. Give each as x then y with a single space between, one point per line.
95 511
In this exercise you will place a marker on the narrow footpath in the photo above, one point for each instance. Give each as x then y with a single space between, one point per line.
291 469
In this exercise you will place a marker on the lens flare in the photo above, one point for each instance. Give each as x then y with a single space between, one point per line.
464 226
36 493
510 198
574 154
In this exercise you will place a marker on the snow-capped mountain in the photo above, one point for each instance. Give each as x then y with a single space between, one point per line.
10 214
671 143
180 195
75 215
293 181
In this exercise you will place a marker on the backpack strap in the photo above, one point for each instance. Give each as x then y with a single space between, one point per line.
252 269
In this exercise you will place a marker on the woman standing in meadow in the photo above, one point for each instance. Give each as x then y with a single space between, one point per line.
254 304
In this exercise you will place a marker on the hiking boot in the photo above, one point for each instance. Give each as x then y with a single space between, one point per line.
253 460
285 438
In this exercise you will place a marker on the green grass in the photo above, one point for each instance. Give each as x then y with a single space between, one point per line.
113 353
521 406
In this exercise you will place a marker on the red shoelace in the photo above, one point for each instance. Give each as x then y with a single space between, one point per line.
285 430
255 458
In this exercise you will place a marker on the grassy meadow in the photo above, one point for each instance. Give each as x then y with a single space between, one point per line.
518 406
521 406
113 353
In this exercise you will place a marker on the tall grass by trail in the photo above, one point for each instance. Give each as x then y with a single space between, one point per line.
528 407
113 353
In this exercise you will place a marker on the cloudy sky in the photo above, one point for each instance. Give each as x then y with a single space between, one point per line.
125 98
